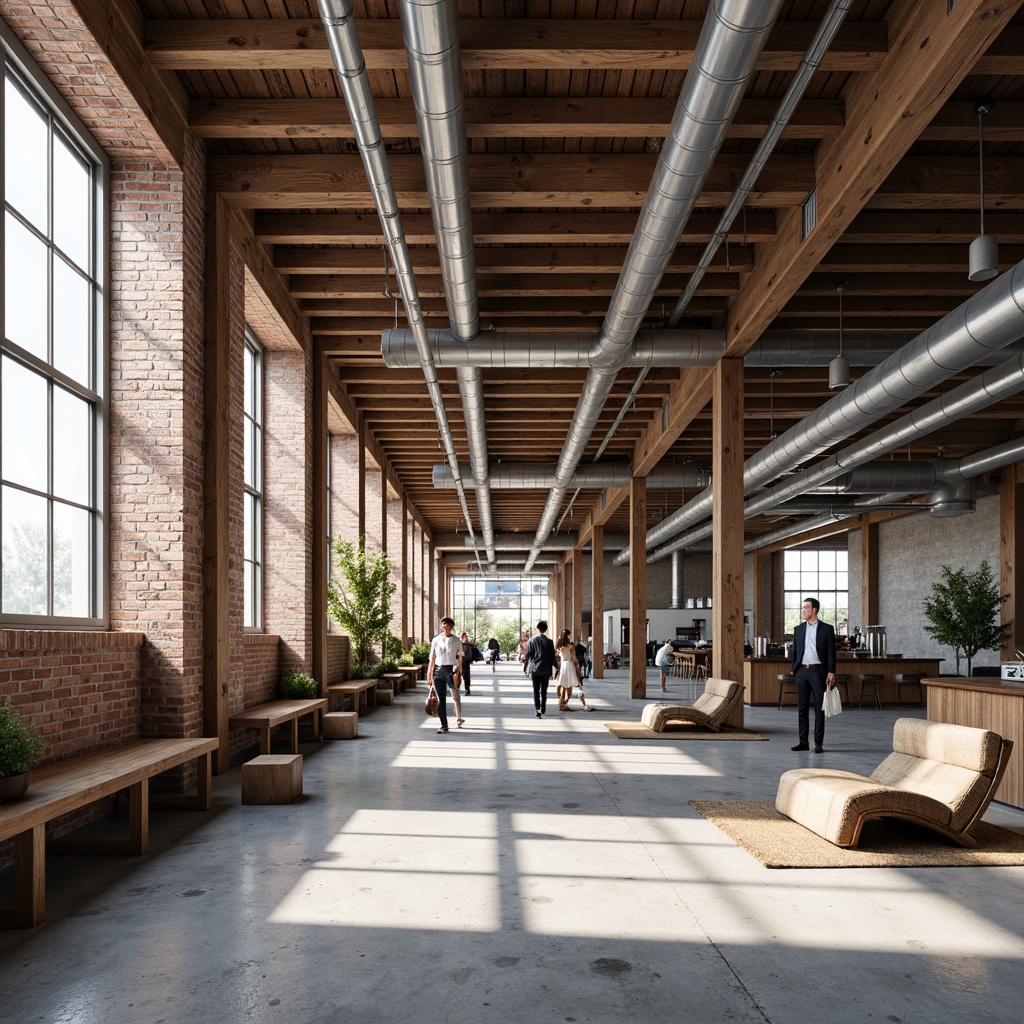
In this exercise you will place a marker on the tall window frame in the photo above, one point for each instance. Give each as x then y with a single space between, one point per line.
822 573
253 504
54 357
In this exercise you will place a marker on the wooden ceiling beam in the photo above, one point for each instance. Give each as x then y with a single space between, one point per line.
575 259
517 228
498 118
316 181
487 44
931 227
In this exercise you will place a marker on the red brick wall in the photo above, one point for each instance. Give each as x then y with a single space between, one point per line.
339 658
262 670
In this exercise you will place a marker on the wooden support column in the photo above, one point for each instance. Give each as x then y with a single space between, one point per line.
638 588
577 595
361 476
727 538
424 600
318 666
597 600
383 508
1011 557
432 615
869 574
405 570
554 589
217 415
568 575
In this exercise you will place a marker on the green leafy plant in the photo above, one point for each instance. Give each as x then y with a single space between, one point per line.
963 612
420 654
19 744
508 636
360 671
406 659
384 665
296 685
392 646
359 596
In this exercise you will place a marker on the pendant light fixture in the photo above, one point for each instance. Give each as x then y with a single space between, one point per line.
984 255
839 368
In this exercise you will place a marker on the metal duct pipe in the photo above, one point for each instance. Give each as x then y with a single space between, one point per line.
347 54
430 28
830 25
999 457
987 322
519 542
726 55
676 600
560 350
990 387
533 476
792 531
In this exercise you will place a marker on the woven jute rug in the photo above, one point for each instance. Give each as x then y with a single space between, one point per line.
779 842
636 731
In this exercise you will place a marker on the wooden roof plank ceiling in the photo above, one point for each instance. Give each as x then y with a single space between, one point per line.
565 113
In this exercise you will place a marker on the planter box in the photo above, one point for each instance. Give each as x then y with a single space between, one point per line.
1013 670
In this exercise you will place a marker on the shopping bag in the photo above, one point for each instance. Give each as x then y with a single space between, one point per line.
832 705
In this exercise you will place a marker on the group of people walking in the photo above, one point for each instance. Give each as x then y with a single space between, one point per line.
451 661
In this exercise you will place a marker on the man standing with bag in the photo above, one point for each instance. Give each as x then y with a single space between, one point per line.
539 661
814 668
443 671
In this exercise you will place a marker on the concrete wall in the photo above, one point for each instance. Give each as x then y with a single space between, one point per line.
911 552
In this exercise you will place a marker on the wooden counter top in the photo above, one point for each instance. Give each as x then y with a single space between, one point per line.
980 684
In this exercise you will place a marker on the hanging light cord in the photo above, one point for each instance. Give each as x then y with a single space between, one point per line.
839 288
982 110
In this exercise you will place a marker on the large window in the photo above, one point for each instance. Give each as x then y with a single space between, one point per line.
480 606
52 362
823 574
253 411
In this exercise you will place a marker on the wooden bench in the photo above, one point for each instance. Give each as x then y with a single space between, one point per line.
69 785
397 680
412 675
360 693
265 717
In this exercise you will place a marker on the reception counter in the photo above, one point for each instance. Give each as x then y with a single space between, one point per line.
761 683
985 704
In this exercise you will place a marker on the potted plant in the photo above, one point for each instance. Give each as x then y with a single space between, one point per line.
297 685
19 747
963 611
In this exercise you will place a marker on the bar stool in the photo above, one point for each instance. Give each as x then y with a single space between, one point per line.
786 679
869 679
908 679
843 680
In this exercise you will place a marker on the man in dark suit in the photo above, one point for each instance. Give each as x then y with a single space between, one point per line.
540 664
814 667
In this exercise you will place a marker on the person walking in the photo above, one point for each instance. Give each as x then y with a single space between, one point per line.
495 648
540 664
663 660
569 673
469 655
814 667
443 671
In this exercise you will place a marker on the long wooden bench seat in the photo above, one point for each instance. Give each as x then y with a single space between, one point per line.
412 675
69 785
265 717
357 694
396 679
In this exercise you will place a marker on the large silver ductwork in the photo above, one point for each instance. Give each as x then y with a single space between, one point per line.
431 35
559 350
339 25
730 43
985 324
524 476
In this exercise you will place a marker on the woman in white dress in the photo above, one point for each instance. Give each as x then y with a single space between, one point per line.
568 672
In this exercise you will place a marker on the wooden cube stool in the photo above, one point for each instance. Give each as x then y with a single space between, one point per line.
385 693
341 725
272 779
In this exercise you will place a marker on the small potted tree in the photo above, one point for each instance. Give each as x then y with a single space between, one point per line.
964 612
19 747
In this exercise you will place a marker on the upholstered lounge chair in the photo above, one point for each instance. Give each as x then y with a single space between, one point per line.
938 775
710 710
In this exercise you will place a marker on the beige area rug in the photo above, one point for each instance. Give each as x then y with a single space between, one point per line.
779 842
636 731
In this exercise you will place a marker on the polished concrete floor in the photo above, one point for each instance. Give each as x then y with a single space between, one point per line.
518 869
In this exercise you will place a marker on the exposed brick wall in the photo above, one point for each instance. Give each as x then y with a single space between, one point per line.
339 658
288 502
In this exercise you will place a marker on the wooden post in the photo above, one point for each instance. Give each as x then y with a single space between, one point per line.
577 595
760 609
869 574
318 664
383 508
405 569
1011 558
727 539
638 587
597 600
361 478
